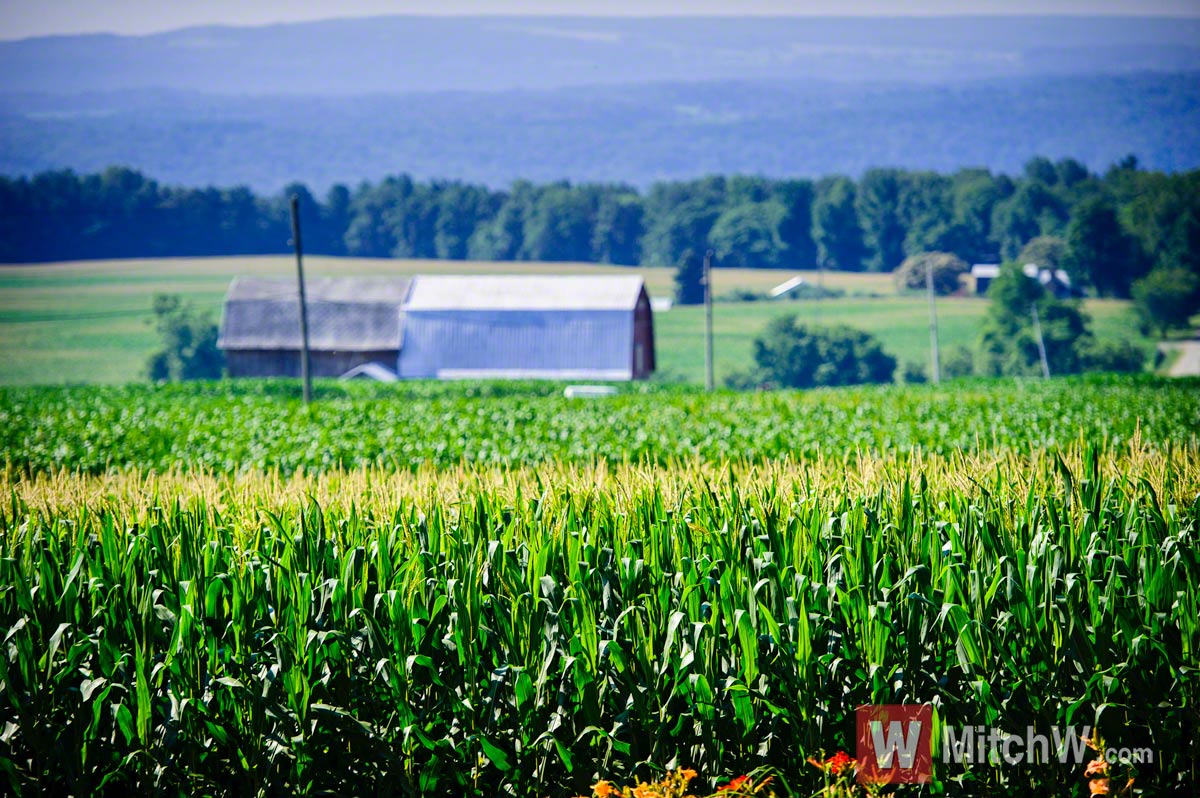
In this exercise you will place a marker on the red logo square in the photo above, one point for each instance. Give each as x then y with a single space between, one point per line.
894 743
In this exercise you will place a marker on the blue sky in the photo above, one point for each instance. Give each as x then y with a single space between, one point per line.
21 18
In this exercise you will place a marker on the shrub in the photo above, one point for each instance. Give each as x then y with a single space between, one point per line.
947 272
189 343
689 279
1111 356
789 354
1009 343
913 373
959 362
1166 298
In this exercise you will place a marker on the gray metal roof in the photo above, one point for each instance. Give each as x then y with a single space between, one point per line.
524 292
345 314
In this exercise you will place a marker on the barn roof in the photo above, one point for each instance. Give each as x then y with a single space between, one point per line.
345 314
524 292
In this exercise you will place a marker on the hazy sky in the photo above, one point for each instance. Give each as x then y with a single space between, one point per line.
21 18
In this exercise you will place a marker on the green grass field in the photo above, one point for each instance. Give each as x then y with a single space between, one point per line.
91 322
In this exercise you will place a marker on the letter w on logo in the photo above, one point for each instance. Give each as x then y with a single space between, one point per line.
893 743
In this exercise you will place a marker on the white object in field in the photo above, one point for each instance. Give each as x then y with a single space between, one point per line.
784 287
588 391
661 304
371 371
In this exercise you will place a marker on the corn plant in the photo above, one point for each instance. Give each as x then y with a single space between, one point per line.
479 630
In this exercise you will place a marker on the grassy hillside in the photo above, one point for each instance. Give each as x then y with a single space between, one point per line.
91 321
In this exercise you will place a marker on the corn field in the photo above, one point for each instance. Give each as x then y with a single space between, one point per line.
525 629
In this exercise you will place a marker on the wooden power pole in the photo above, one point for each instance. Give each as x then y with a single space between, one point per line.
1037 330
708 321
935 361
305 364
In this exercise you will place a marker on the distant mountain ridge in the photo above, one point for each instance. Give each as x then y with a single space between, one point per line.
633 133
495 99
401 54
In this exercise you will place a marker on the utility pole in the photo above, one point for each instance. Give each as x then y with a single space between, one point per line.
935 361
708 321
1037 330
305 366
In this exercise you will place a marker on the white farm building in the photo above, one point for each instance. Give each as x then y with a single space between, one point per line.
507 327
571 327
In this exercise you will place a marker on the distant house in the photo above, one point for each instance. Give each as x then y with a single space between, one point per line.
351 322
561 327
1056 281
983 274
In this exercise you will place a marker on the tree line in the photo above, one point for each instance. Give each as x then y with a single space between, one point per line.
1106 229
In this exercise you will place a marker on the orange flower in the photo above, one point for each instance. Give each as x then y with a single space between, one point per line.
688 774
603 789
1099 787
734 785
1097 767
839 763
835 765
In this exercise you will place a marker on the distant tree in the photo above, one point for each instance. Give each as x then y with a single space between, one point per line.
679 217
1041 170
689 279
1100 251
1120 356
620 224
795 227
975 193
189 343
372 232
1008 341
335 219
790 354
1032 210
459 210
877 203
1163 213
1070 172
503 236
947 268
928 214
747 235
1049 252
913 373
560 226
1167 298
958 362
836 229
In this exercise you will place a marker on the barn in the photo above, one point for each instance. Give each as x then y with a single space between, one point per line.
351 322
525 326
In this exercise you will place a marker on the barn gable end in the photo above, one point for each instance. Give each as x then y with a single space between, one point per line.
351 321
559 327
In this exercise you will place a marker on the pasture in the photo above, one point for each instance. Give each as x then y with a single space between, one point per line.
91 322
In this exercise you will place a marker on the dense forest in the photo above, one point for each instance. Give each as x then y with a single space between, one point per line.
1107 229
